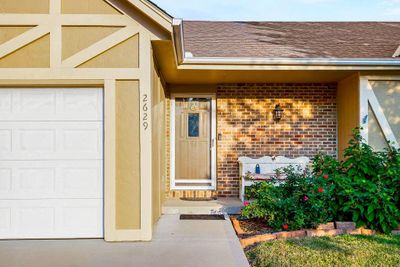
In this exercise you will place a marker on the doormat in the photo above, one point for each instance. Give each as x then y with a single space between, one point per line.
198 198
203 217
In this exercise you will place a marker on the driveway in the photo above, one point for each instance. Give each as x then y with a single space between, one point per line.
175 243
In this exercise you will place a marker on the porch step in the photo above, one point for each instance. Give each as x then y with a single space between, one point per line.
218 206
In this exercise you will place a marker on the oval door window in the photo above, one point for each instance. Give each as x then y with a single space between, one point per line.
193 124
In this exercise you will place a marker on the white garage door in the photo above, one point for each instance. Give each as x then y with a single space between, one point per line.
51 163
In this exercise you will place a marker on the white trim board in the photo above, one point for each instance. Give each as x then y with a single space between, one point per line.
213 150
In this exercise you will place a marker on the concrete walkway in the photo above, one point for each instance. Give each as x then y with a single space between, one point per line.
176 243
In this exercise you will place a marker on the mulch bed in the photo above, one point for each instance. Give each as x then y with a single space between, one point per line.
254 227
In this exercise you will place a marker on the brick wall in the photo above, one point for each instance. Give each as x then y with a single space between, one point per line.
246 127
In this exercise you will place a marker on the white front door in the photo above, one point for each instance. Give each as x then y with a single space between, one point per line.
51 163
193 144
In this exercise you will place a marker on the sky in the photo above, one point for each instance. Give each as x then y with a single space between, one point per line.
283 10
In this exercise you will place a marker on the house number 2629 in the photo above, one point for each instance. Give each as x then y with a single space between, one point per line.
145 109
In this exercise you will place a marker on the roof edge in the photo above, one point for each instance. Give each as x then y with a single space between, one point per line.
178 40
154 12
291 61
185 60
198 63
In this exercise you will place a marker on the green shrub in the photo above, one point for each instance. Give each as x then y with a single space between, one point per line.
300 202
369 186
392 171
365 188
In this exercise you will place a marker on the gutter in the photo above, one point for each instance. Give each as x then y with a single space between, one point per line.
186 60
177 40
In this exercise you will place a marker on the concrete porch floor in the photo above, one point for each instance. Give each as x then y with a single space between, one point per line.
218 206
176 243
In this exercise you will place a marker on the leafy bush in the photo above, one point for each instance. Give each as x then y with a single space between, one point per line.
300 202
364 188
369 186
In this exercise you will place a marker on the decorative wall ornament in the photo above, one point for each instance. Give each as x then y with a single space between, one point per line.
278 113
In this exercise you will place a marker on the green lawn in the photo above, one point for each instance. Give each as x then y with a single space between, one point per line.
346 250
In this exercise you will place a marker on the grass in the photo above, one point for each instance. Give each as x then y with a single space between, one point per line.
345 250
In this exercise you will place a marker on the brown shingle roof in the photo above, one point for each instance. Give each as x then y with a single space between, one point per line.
292 39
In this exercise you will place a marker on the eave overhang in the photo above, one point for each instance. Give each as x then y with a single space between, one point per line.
151 10
185 60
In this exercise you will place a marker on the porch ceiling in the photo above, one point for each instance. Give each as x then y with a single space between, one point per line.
164 54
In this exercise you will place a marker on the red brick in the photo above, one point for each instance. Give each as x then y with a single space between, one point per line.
245 122
396 232
326 226
345 225
299 233
353 231
325 232
282 235
367 231
256 239
290 234
236 226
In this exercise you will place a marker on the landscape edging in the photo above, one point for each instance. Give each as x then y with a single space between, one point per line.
322 230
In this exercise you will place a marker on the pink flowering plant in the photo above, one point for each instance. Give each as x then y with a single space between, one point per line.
300 202
363 188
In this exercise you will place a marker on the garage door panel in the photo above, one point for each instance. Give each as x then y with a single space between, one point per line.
86 218
51 140
34 140
5 180
82 181
51 179
5 140
51 163
51 104
34 101
68 218
36 219
37 180
5 219
82 140
5 101
74 102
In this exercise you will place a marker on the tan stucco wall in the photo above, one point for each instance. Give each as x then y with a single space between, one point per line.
388 96
115 64
348 108
158 143
76 39
86 7
127 155
9 32
33 55
376 139
24 6
123 55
